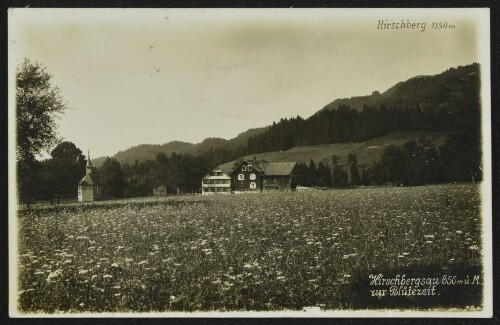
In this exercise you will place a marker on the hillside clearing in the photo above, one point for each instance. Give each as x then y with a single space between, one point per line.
366 152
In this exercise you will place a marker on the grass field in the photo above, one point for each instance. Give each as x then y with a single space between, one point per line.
266 251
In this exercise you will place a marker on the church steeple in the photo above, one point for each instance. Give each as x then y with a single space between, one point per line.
89 189
89 164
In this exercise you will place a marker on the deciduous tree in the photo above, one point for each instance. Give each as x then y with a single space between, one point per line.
64 170
38 104
112 178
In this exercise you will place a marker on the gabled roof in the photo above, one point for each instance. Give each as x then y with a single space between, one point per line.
158 184
88 179
270 169
278 168
217 177
255 165
217 170
226 170
223 176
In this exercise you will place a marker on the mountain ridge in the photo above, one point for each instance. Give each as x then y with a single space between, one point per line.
456 84
420 90
143 152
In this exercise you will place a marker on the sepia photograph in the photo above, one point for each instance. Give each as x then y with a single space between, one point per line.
250 163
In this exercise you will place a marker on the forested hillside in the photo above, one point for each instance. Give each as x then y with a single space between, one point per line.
448 103
454 84
444 103
422 131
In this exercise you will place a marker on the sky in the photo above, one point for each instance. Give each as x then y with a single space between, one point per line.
136 76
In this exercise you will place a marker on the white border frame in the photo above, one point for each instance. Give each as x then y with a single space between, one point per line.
482 16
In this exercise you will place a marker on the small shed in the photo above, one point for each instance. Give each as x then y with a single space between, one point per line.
159 189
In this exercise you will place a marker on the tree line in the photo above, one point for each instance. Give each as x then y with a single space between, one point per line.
39 104
57 177
346 124
414 163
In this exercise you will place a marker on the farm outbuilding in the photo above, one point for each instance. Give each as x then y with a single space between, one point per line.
89 188
159 189
278 176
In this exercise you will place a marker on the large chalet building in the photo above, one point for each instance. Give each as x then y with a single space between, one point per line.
250 176
253 176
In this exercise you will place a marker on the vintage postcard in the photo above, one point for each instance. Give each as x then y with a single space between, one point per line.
250 163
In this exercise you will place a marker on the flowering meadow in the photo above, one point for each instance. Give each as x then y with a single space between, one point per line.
265 251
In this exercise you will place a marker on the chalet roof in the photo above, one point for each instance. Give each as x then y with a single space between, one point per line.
256 165
226 170
270 169
88 179
217 170
224 176
217 177
278 168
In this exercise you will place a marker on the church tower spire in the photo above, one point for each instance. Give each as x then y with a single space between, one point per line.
89 164
89 189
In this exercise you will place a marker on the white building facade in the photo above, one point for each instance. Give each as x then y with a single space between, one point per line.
216 182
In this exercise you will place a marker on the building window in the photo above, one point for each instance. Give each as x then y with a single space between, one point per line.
241 177
252 177
249 168
252 185
244 168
